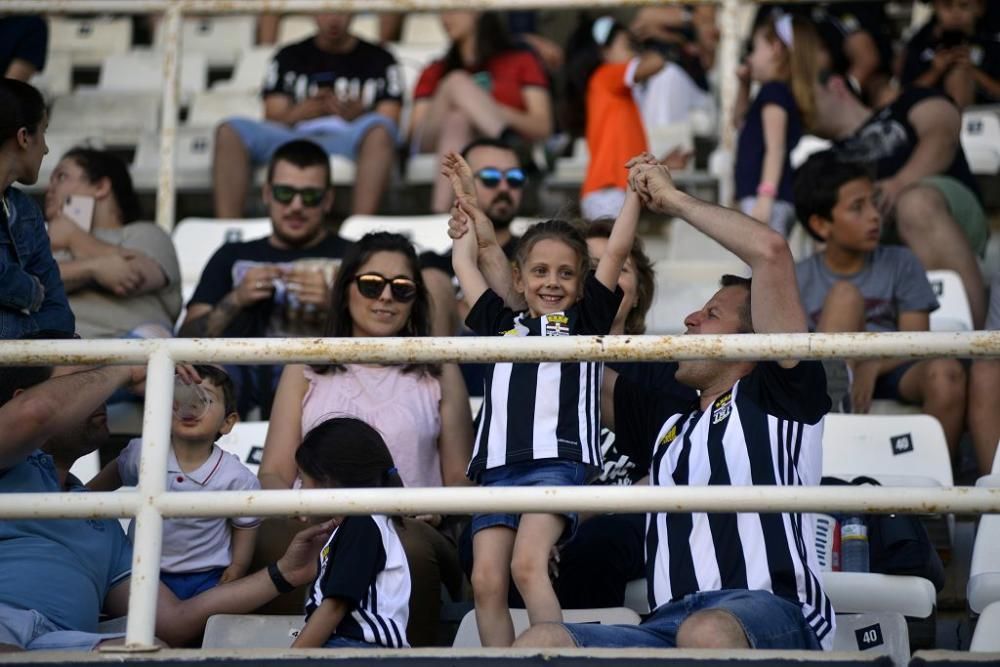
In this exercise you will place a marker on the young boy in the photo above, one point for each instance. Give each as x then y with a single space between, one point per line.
854 284
198 553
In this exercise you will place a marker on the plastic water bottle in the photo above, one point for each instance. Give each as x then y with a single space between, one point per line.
853 544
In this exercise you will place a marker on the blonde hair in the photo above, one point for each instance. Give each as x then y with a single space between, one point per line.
801 71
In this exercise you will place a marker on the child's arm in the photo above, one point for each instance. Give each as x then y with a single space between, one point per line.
243 541
775 120
465 248
650 62
620 242
108 479
322 624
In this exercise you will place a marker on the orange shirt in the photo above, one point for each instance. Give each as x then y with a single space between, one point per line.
614 127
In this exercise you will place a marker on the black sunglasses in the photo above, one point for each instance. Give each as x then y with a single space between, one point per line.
491 177
311 197
371 286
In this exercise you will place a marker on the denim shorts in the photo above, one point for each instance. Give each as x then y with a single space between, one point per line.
262 138
887 385
550 472
32 631
186 585
769 621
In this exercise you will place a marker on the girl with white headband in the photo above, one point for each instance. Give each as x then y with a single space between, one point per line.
775 120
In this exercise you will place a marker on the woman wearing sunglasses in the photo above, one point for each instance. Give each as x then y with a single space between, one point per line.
421 410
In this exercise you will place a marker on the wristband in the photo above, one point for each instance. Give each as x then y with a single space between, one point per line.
278 579
767 189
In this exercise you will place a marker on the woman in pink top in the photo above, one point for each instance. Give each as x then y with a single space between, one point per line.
421 410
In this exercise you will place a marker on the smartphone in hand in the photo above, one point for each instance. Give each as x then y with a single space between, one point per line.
80 209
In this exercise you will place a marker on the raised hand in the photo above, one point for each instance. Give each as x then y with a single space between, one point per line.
459 173
652 182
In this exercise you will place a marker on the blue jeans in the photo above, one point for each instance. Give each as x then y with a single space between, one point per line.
262 138
547 472
347 642
767 620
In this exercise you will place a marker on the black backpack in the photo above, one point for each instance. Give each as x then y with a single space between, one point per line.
898 543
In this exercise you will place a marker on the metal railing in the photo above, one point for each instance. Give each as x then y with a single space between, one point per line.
174 10
150 502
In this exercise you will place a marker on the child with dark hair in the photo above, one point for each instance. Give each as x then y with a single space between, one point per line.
198 553
360 598
603 71
856 284
540 424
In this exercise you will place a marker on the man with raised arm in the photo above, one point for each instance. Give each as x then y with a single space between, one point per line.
726 579
58 575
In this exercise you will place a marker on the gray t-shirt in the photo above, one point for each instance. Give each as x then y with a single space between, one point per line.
892 282
993 317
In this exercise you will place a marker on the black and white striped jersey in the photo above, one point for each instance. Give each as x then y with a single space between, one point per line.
765 431
363 563
545 410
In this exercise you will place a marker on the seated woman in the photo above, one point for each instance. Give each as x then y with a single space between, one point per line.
483 87
121 275
421 410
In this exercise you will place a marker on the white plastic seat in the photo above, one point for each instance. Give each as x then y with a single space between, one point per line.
89 40
252 630
688 244
87 467
983 588
857 592
980 139
468 634
125 418
636 596
114 116
246 441
57 77
248 75
211 107
192 159
142 71
366 26
427 232
421 169
986 638
423 28
953 313
197 239
882 633
220 38
897 450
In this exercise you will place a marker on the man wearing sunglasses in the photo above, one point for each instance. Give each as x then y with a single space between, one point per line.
278 285
500 182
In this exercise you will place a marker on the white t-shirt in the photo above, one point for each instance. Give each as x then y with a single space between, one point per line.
193 544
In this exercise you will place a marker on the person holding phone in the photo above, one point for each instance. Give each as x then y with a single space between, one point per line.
121 274
32 297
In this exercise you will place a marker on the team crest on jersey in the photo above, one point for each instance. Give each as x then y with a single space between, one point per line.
556 325
510 332
325 552
669 436
722 407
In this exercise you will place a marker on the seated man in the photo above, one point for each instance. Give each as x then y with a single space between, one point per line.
58 575
855 284
275 286
723 580
926 192
333 88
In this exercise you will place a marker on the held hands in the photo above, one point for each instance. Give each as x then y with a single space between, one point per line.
465 213
651 180
459 174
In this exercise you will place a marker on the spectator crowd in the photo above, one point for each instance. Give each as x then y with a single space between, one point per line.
890 198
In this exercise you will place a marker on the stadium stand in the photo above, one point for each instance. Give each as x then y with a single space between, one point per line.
221 39
89 40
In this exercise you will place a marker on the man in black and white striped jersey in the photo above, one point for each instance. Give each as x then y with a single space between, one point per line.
724 580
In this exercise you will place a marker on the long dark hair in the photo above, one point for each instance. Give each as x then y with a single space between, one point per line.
339 323
21 105
645 276
492 38
584 56
97 165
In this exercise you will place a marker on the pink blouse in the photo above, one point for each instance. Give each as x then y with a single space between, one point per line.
403 407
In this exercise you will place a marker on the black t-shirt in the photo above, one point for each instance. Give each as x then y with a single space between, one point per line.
367 71
220 277
984 53
24 38
887 140
656 377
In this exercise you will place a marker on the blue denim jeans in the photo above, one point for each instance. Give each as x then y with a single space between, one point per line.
262 138
347 642
548 472
768 621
